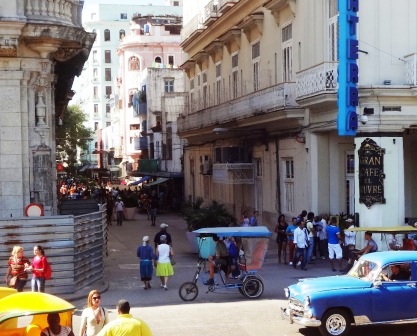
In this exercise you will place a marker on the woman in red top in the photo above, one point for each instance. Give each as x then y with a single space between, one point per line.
38 269
18 264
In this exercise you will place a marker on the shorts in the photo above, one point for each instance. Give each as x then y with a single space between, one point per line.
335 251
222 262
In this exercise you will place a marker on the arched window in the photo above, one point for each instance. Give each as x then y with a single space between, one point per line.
122 34
133 63
158 59
106 35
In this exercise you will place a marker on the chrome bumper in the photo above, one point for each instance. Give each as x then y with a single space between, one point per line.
287 314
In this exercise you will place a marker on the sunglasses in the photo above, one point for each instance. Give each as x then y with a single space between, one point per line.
96 297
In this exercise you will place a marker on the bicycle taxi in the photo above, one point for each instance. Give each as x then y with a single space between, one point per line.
253 244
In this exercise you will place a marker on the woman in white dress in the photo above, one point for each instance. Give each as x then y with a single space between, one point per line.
94 317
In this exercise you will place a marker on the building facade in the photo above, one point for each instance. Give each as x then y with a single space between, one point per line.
261 128
42 48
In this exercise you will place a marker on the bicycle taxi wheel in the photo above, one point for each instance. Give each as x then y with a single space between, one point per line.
252 287
188 291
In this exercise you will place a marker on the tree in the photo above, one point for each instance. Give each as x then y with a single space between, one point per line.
72 134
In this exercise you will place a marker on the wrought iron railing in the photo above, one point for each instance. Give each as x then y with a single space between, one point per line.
317 79
411 69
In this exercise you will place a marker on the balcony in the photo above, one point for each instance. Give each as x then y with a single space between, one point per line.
318 80
148 166
194 27
63 12
141 143
264 101
225 5
233 173
210 13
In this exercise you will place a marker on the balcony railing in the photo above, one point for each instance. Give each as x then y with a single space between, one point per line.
233 173
321 78
148 166
225 5
195 25
141 143
211 12
263 101
411 69
60 11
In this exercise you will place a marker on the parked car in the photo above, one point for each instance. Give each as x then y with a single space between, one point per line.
366 295
25 313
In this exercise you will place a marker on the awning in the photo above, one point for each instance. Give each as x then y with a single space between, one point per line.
158 181
143 179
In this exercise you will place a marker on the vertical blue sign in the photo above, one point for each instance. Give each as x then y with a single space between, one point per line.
348 73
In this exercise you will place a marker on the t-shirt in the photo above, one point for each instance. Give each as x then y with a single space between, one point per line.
125 325
290 231
119 206
221 250
310 229
374 246
332 232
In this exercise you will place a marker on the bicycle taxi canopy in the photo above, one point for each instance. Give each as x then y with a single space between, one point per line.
223 232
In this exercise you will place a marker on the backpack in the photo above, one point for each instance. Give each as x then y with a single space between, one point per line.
48 270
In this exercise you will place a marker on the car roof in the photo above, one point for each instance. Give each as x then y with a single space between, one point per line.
235 231
388 257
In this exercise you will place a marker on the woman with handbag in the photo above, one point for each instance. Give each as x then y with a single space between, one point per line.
94 317
16 276
147 256
164 267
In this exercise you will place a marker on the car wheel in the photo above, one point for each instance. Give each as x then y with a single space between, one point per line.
335 322
188 291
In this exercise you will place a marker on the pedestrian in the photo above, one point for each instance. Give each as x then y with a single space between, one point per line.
120 207
162 232
334 238
94 317
323 237
147 256
301 242
16 276
282 238
350 238
254 219
109 208
164 268
290 235
153 204
311 233
55 328
318 228
244 221
125 324
38 268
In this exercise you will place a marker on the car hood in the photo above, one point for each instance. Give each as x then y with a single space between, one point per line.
313 285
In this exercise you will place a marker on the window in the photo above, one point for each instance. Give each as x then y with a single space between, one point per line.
93 16
95 108
95 74
176 3
108 91
95 58
235 75
133 63
255 65
205 90
107 74
106 35
107 108
171 60
333 30
108 124
169 85
289 185
158 60
122 34
123 16
96 128
218 83
95 92
107 56
192 84
286 40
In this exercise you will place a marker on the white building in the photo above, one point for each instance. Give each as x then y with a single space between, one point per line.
265 71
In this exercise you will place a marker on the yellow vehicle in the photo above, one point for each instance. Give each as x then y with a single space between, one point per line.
25 313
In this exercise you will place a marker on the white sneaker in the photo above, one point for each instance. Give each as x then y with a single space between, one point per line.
290 263
299 263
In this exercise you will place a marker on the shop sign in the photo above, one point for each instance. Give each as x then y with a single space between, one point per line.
371 173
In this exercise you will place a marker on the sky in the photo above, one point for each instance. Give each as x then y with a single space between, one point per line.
127 2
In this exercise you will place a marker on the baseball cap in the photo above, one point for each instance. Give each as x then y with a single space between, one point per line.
349 220
163 226
145 239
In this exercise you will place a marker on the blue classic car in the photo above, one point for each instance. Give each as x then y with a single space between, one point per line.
380 288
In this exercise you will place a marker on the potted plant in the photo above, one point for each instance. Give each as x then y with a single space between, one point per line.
197 216
130 201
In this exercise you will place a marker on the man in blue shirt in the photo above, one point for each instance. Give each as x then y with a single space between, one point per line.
290 234
335 250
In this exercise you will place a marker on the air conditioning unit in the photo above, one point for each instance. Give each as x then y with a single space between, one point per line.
205 165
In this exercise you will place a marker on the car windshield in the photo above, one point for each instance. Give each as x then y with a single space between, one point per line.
365 270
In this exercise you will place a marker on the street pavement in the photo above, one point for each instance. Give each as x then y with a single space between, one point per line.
224 312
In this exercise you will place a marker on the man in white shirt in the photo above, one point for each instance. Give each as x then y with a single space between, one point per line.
301 244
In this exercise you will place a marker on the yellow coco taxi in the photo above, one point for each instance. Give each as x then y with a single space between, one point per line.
25 313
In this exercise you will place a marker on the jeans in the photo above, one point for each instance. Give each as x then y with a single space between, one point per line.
38 285
20 283
300 252
310 249
120 216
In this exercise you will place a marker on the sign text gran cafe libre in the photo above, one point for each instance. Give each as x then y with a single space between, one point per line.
371 173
